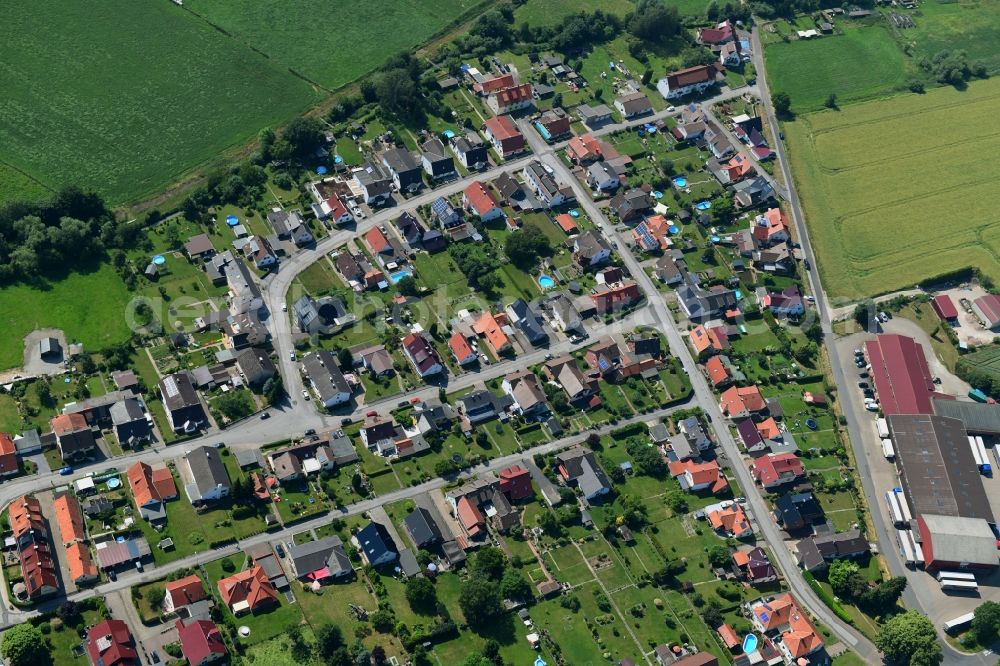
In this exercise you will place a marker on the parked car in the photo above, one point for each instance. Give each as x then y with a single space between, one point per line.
291 354
305 395
862 385
265 416
372 413
310 432
66 471
279 549
284 307
346 421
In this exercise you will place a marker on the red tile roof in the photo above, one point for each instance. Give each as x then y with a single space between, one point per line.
566 223
65 424
699 474
69 515
184 591
376 240
771 470
716 370
25 514
151 485
337 207
480 199
502 127
901 376
944 307
200 640
496 83
584 148
990 306
514 95
731 520
110 643
798 634
248 590
768 225
80 563
738 399
461 348
488 326
469 516
8 454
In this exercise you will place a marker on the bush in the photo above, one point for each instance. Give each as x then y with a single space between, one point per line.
227 565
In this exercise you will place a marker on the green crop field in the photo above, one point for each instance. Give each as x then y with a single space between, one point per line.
986 361
16 185
331 43
970 25
901 189
89 307
860 64
124 97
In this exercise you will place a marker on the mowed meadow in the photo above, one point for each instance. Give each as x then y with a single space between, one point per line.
332 43
901 189
123 96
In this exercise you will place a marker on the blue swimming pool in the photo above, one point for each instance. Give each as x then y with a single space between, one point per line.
750 644
673 229
449 134
658 194
321 170
399 275
680 181
574 213
232 220
703 205
738 294
544 132
159 260
546 282
714 238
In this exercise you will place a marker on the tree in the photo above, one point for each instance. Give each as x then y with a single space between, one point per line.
712 614
396 91
846 580
408 286
155 596
476 660
44 393
782 104
378 655
23 645
345 359
421 595
489 563
864 314
667 166
718 556
329 638
986 622
909 638
881 599
303 136
480 601
68 611
831 101
515 586
653 21
383 620
274 390
234 405
647 459
526 246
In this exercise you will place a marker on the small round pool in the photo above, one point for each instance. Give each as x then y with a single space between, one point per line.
680 181
703 205
658 194
673 229
114 482
321 170
159 260
715 239
738 294
750 644
574 213
337 159
448 134
546 282
232 220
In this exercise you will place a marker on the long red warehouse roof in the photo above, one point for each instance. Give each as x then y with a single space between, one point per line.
901 375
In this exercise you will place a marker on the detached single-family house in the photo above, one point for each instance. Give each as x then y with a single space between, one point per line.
544 185
201 641
448 218
730 521
741 401
722 33
578 467
204 475
181 402
527 321
422 528
590 249
375 183
697 476
754 566
687 81
291 226
564 371
404 169
770 227
526 391
110 643
787 303
633 105
377 546
479 199
603 176
471 151
461 349
583 149
437 163
248 591
321 560
816 552
632 205
511 99
504 135
326 379
421 354
556 124
73 435
782 616
775 470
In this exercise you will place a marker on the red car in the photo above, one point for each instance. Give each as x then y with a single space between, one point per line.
372 413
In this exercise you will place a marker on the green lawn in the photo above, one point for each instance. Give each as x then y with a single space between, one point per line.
971 25
331 44
538 13
917 148
71 117
862 63
97 320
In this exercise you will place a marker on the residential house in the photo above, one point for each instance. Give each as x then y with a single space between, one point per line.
259 251
461 349
374 182
741 401
480 200
733 171
730 521
479 499
376 360
750 436
131 423
376 545
350 266
422 528
544 185
433 416
410 228
754 566
404 169
380 435
583 149
511 99
722 33
614 297
687 81
775 470
494 84
380 245
333 209
526 391
717 141
695 433
717 372
448 218
603 177
752 192
527 321
291 226
491 327
249 591
125 380
563 371
110 643
312 457
199 247
631 206
8 456
255 366
788 303
204 475
633 105
181 403
653 234
421 354
471 151
692 131
700 304
731 54
770 227
82 570
565 314
481 405
243 330
437 163
180 593
556 124
594 117
590 249
151 488
504 135
669 270
515 483
326 379
781 617
321 560
777 259
201 642
698 476
69 517
578 467
816 552
798 511
74 438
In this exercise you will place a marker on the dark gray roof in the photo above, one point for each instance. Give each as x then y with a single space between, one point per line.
422 528
582 468
326 553
376 542
400 160
981 418
528 321
127 411
325 375
208 471
178 391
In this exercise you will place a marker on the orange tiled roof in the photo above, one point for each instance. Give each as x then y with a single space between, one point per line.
772 222
25 514
460 347
80 563
769 429
151 485
64 424
480 199
251 586
584 147
716 370
739 398
732 519
184 591
69 515
488 326
700 473
566 222
469 515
